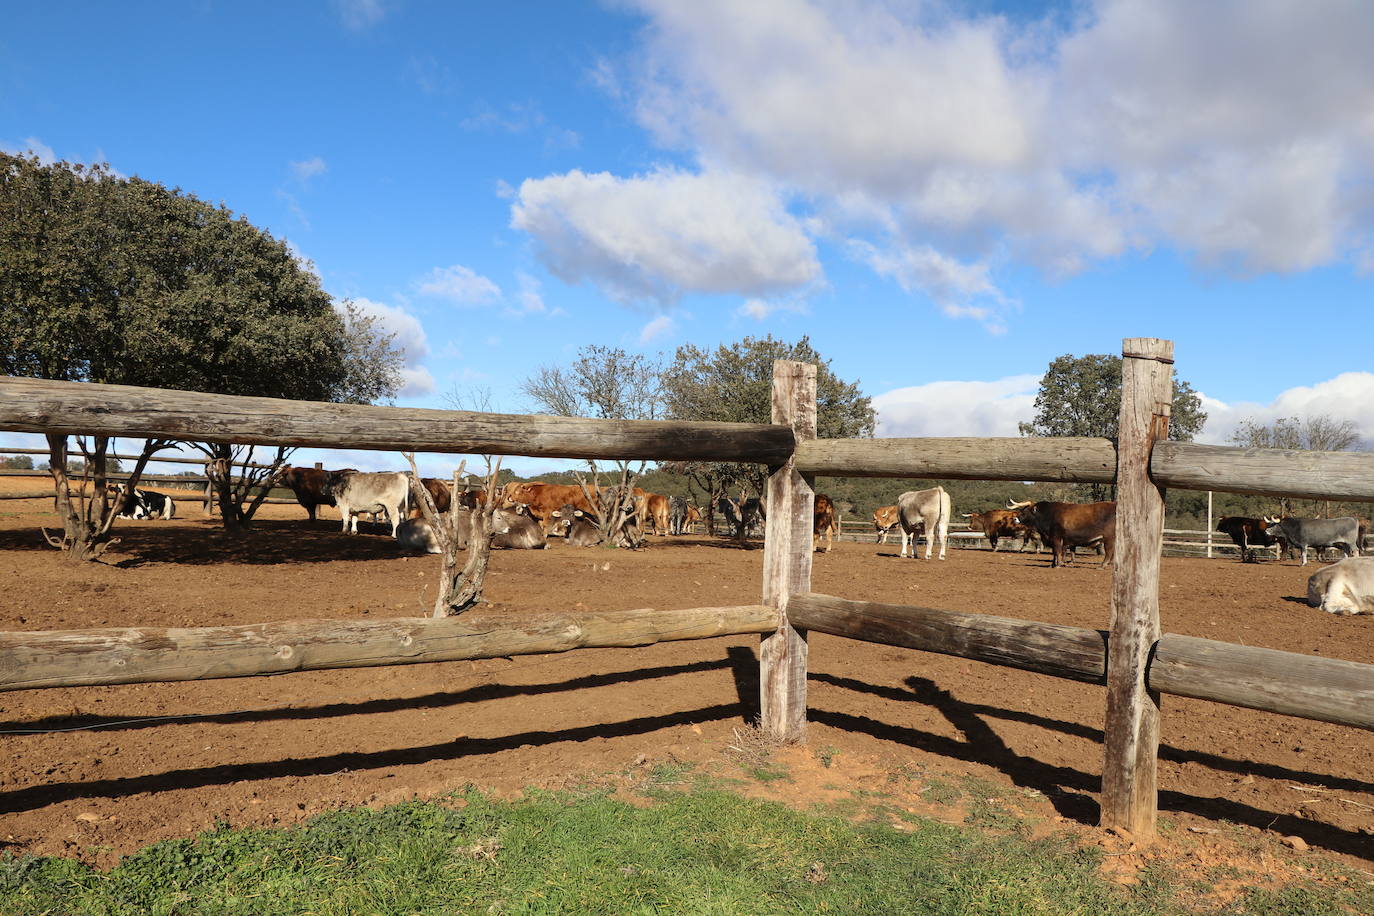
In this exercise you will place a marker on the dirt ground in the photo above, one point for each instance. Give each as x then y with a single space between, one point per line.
97 772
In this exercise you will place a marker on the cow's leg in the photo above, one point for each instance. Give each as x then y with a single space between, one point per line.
1304 556
310 511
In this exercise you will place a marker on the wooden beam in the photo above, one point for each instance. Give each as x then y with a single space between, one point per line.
38 405
1073 653
1070 459
141 655
1325 689
1265 471
787 558
1129 791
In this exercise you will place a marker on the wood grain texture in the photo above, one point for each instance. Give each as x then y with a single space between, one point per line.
1072 459
138 655
1129 791
1325 689
787 559
38 405
1073 653
1265 471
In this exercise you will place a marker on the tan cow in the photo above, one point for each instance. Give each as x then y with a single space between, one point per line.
884 519
928 508
544 499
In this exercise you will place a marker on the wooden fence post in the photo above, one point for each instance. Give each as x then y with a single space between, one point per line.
1129 793
787 559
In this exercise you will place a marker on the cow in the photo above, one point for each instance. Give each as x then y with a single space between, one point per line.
999 524
544 499
742 514
678 508
1067 525
356 492
1248 533
1344 587
884 517
311 485
693 516
141 504
930 508
438 491
510 530
823 522
1303 533
577 527
654 510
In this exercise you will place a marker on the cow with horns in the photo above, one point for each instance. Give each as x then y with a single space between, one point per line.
1064 526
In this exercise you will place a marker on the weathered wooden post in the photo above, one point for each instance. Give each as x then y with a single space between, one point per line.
1129 795
787 558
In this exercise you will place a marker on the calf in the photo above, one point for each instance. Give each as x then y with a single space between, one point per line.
1318 532
1000 524
823 522
1067 525
1345 587
356 492
1248 533
884 518
928 508
141 504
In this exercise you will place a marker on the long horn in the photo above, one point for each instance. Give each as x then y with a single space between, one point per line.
1013 504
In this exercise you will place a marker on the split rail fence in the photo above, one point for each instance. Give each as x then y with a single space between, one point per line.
1131 658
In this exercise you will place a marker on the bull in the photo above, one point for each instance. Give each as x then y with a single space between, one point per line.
928 508
1248 533
1000 524
1066 525
1303 533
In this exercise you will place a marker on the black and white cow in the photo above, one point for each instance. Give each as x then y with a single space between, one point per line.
141 504
677 515
1319 532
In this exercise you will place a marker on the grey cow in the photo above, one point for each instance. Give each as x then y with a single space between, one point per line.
1318 532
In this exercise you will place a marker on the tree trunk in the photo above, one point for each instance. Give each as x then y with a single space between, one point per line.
86 519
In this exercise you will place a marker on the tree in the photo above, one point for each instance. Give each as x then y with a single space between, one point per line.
735 384
123 281
1320 433
1081 396
605 383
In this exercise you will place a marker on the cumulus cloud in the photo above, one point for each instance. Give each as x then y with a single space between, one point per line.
460 285
958 408
1348 396
658 236
942 144
409 337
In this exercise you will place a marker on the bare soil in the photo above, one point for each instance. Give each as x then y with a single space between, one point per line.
98 772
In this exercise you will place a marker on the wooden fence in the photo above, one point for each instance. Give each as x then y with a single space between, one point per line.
1131 658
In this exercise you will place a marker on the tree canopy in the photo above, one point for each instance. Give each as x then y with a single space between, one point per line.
1081 396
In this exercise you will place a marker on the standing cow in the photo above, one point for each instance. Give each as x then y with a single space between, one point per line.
1344 587
1000 524
1248 533
884 519
929 508
824 522
311 485
1318 532
356 492
1067 525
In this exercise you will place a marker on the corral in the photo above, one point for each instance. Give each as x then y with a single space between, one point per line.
1134 661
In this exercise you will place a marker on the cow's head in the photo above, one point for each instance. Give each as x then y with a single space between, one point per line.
1025 512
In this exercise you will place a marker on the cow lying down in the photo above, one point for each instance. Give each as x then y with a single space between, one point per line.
1346 587
510 529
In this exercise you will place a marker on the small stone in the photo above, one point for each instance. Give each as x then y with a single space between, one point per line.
1294 842
88 816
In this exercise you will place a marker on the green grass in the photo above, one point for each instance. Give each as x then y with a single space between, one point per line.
703 851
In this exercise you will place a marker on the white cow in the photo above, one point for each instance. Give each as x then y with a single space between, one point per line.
930 508
1346 587
356 492
509 530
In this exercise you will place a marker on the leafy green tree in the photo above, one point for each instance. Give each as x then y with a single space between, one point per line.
1081 396
124 281
735 384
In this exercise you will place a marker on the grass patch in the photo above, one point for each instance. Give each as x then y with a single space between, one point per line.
702 851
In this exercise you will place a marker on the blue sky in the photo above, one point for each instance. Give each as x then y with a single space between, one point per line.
945 196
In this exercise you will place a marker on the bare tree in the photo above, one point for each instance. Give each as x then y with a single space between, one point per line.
238 484
1321 433
455 529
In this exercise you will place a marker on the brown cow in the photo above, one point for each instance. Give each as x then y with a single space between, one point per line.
544 499
438 491
1066 525
997 524
653 510
884 520
823 523
311 486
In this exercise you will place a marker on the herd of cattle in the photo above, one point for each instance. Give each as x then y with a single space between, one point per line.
529 513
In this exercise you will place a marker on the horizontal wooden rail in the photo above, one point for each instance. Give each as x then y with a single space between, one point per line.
41 406
1265 471
141 655
1328 690
1067 652
1325 689
169 460
1078 460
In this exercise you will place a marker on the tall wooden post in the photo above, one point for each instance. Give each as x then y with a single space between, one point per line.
787 559
1129 793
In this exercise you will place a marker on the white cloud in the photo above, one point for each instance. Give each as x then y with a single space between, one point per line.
958 408
360 14
409 337
660 235
1348 396
761 309
460 285
306 169
657 328
529 300
30 146
1240 132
